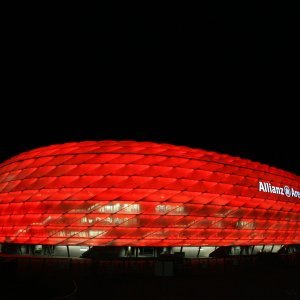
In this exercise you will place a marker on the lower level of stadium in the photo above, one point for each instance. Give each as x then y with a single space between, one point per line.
143 252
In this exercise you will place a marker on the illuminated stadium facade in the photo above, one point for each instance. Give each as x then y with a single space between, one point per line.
143 194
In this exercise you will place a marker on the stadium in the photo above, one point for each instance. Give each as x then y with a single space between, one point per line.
145 199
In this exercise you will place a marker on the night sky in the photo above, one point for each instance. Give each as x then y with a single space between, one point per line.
202 76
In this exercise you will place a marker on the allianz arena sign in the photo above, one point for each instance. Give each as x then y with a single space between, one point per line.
266 187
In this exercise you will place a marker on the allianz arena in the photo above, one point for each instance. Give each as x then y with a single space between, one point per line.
144 194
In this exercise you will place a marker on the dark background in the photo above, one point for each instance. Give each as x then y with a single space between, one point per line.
220 77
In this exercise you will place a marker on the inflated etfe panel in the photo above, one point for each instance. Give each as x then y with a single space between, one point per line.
145 194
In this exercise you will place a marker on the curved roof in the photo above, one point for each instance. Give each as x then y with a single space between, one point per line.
143 193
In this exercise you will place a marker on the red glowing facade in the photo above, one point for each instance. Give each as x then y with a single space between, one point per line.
145 194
